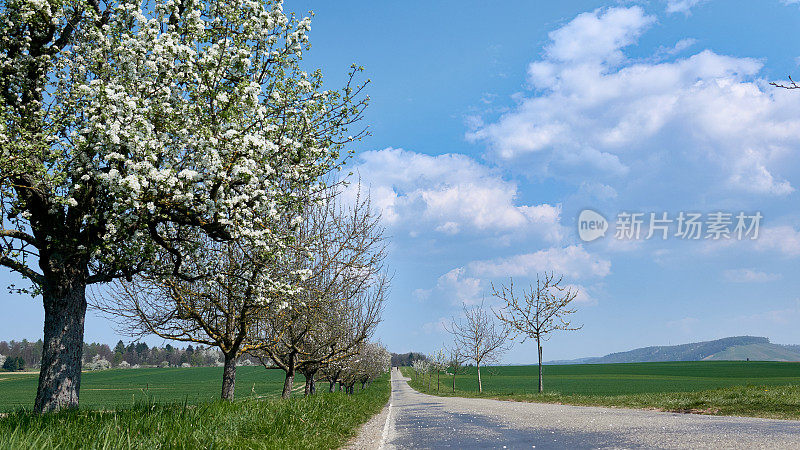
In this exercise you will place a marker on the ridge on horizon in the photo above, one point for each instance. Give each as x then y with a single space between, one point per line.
734 348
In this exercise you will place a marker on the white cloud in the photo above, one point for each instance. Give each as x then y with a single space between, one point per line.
705 119
682 6
584 295
573 262
595 37
450 193
784 239
459 288
436 327
470 284
750 276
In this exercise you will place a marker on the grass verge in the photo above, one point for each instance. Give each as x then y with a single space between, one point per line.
774 402
325 420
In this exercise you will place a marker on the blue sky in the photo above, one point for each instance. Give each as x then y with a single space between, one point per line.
494 123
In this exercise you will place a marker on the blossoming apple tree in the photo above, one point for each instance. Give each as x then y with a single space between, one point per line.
131 128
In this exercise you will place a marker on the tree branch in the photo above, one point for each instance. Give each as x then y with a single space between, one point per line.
24 270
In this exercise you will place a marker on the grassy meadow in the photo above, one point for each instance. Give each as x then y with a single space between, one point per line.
178 408
762 389
116 388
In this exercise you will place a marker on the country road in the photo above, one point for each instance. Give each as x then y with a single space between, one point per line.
416 420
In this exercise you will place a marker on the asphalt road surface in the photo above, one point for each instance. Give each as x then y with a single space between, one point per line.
417 420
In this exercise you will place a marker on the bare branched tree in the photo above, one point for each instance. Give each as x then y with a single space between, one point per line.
340 300
218 311
481 339
455 361
541 310
791 85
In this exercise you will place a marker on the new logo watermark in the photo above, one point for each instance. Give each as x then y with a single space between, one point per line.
685 225
591 225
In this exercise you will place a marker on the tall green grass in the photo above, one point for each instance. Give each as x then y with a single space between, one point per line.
324 420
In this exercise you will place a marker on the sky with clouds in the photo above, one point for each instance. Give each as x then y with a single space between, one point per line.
494 125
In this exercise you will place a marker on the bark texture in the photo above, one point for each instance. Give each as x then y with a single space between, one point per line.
62 355
287 384
229 378
290 369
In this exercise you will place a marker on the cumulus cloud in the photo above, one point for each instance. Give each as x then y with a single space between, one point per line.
572 261
460 288
750 276
470 284
450 193
592 108
597 38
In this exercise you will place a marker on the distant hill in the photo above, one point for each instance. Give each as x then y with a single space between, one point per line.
738 348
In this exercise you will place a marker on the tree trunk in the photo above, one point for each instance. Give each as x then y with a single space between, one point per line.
363 385
229 378
287 384
289 381
454 380
437 381
332 387
541 385
480 386
62 353
310 386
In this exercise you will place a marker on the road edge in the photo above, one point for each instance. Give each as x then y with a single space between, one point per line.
373 433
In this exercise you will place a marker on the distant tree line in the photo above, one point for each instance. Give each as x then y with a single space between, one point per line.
406 359
12 364
27 354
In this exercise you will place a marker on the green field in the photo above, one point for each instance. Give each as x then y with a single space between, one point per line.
109 389
178 408
766 389
615 379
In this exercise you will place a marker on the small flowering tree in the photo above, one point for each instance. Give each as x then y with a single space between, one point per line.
131 132
371 361
417 365
542 310
479 338
455 361
439 362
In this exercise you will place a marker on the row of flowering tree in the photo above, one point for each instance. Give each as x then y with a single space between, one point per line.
172 147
